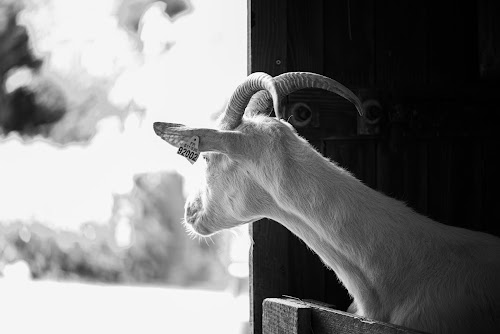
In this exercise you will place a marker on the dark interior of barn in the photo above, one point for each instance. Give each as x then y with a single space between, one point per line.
429 73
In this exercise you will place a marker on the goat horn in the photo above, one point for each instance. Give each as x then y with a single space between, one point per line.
288 83
242 95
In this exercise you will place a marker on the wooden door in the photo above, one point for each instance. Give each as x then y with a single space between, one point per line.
434 69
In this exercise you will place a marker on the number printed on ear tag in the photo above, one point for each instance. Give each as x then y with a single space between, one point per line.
189 150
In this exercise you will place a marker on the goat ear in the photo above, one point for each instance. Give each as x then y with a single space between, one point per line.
210 140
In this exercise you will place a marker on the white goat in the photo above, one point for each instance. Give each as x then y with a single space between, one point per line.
399 266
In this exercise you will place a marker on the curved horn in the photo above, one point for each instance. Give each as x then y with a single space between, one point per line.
260 103
241 96
288 83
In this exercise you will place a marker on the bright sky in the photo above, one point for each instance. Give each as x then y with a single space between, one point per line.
70 185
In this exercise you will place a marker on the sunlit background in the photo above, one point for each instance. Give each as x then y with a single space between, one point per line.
90 199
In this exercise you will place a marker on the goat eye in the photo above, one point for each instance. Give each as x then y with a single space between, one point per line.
205 157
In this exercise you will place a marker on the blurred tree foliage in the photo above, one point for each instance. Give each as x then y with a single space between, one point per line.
14 40
144 240
65 105
129 11
156 249
62 104
31 106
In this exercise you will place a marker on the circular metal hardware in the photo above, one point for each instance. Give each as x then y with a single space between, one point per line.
301 114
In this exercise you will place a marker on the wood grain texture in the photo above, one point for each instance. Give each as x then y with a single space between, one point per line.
267 37
451 42
491 183
305 36
434 63
285 315
401 37
349 42
269 265
489 39
324 320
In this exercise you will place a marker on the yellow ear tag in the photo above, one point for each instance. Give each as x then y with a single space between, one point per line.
190 150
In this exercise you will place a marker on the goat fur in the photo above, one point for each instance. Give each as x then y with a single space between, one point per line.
399 266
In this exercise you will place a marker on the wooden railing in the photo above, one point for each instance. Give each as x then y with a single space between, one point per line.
294 316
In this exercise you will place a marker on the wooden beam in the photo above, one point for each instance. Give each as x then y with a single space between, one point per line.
326 320
285 316
267 36
295 316
269 267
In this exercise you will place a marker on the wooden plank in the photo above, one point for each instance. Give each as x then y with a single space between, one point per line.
269 269
309 283
452 42
491 184
305 35
390 170
411 171
421 201
489 39
326 320
401 44
414 51
439 167
466 186
285 316
267 36
349 42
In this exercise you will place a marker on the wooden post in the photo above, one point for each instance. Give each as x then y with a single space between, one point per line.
269 267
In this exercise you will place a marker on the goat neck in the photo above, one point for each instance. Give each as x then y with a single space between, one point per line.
382 251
